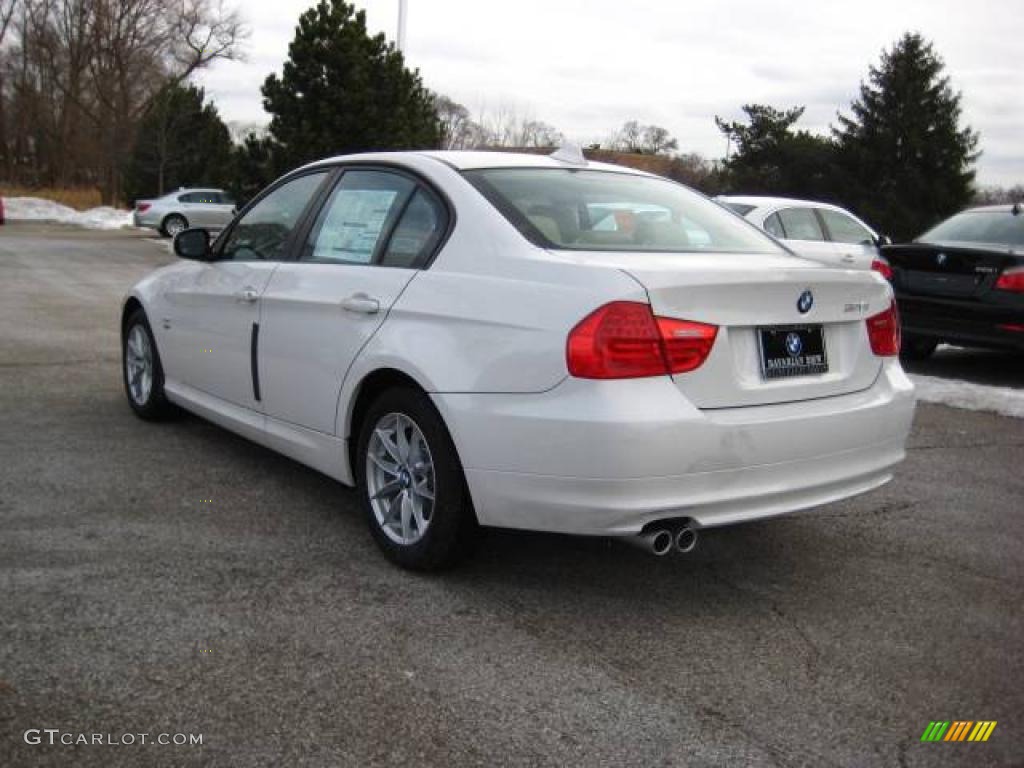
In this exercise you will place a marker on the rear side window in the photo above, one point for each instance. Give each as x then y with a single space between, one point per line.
418 232
801 224
773 226
843 229
357 217
741 208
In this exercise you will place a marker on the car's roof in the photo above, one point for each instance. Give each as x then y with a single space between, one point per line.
183 190
1001 208
471 160
762 201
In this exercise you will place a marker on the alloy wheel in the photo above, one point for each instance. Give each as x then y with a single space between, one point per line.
400 479
138 364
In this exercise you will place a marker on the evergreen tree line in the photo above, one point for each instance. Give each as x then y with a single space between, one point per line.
899 156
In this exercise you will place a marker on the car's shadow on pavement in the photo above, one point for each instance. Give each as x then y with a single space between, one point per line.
978 366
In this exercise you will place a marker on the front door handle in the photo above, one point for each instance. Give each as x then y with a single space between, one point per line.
361 303
248 295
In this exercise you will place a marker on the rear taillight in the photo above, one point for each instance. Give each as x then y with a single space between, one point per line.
882 267
884 332
143 207
624 340
1011 280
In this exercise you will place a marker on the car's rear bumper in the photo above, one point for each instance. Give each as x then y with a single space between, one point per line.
968 323
607 458
144 220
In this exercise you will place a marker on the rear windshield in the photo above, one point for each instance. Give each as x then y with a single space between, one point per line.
1000 227
590 210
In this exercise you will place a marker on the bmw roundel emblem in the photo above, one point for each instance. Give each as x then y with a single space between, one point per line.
805 302
794 346
940 258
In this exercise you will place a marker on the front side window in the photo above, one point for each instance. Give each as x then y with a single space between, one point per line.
999 227
359 214
801 224
843 229
262 233
591 210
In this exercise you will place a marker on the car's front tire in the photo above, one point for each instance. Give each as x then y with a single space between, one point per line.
173 224
141 369
411 485
917 347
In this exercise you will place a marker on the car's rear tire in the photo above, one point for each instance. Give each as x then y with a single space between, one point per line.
411 485
142 371
173 224
917 347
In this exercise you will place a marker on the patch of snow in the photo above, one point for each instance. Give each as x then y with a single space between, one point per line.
974 397
37 209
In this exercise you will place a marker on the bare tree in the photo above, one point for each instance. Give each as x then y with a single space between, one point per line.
87 70
996 195
7 10
505 126
457 128
643 139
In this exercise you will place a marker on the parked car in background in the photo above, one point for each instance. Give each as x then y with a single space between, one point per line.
528 342
963 282
819 231
185 208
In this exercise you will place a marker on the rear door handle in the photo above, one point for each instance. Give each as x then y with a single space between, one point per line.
361 303
247 294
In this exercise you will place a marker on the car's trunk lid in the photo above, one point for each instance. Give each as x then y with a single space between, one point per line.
962 271
742 293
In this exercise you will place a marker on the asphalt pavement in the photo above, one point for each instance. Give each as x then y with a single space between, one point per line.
176 579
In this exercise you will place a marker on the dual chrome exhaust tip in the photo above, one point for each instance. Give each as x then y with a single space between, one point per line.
659 541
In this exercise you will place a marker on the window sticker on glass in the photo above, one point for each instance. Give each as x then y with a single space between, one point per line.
353 225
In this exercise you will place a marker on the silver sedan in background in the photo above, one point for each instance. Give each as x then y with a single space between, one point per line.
184 208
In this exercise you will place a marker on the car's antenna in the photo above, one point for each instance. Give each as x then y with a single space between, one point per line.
570 153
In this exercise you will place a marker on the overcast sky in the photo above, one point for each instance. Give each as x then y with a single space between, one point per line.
586 67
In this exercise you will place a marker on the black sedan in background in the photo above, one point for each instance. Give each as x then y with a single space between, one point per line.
962 282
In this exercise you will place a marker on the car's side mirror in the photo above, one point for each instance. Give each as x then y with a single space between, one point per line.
193 244
881 240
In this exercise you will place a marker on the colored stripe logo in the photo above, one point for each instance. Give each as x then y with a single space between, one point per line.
958 730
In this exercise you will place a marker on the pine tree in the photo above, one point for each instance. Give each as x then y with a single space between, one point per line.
773 158
344 91
903 143
181 141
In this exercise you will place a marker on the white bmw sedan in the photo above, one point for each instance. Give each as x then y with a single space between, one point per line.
527 342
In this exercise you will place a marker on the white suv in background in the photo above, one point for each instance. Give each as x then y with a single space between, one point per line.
819 231
184 208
